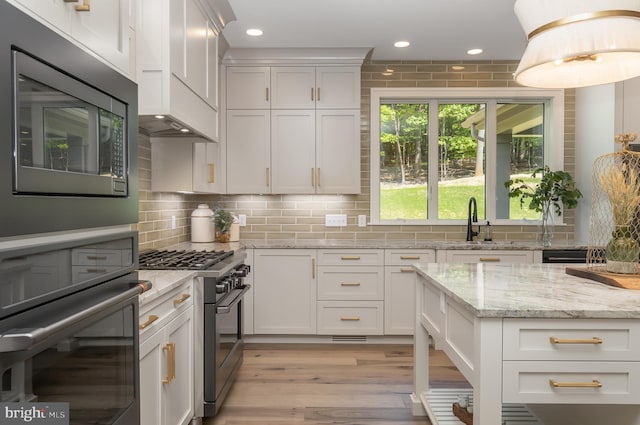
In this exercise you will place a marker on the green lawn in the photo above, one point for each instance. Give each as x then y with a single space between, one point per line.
410 202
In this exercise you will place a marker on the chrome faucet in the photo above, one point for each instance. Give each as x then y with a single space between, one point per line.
472 217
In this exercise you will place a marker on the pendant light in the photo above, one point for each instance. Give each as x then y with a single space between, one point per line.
578 43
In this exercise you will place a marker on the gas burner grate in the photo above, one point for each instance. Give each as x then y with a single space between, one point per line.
180 260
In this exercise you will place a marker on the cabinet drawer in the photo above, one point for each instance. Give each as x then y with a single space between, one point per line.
350 318
571 382
99 257
350 283
489 256
350 257
571 339
161 311
395 257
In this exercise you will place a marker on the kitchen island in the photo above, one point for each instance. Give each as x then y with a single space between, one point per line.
528 338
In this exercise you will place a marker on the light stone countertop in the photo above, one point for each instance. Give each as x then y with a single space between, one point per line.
162 281
529 291
371 244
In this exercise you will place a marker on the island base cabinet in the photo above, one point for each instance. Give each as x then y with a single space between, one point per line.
571 382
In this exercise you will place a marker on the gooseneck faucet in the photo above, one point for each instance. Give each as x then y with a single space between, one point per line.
472 217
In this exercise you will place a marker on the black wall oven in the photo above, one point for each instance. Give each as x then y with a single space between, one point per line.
69 328
68 134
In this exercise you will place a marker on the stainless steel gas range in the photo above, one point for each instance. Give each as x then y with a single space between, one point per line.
219 318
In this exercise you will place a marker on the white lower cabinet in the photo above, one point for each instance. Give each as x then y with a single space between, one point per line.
285 291
399 288
486 256
166 359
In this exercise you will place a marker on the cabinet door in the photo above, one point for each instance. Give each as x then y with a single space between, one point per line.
152 369
293 87
105 30
285 291
178 394
399 300
248 151
338 87
207 168
248 87
292 150
338 151
211 94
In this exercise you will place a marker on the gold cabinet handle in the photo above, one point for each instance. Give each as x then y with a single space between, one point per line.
267 176
170 348
594 340
593 384
318 179
489 259
409 257
212 173
312 94
266 94
350 318
350 257
313 177
349 283
152 318
84 7
313 268
182 299
406 270
318 97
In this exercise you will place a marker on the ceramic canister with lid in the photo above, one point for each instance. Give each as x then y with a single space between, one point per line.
202 227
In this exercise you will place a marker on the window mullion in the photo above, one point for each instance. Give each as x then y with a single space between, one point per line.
490 160
433 172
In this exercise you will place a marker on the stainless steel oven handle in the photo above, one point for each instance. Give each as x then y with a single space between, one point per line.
25 339
226 308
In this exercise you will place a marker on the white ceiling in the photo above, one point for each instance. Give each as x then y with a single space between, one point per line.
437 29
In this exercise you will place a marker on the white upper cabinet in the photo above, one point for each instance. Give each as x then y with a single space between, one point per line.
315 87
100 26
248 87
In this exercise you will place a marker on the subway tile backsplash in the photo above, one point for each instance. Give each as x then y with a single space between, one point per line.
277 217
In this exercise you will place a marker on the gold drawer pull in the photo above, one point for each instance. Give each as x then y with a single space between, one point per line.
84 7
349 283
409 257
490 259
182 299
406 270
594 340
152 318
170 348
350 318
350 257
593 384
212 173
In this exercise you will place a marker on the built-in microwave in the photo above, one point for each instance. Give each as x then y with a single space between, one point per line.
68 133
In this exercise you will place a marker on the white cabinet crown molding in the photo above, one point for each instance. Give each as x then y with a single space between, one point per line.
284 56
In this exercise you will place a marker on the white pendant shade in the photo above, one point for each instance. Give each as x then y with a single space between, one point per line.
578 43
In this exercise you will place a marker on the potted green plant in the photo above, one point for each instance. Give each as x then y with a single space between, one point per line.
556 190
223 220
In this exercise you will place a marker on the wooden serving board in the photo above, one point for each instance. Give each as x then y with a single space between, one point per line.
631 281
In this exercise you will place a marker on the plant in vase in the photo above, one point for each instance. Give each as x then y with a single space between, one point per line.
555 190
223 220
622 187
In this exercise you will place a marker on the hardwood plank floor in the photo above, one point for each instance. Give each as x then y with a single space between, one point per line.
351 384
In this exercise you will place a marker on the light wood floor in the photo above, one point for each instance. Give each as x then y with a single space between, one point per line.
308 384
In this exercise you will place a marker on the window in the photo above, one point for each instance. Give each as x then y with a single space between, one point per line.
468 141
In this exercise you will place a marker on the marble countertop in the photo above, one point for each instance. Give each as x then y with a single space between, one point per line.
162 281
372 244
529 291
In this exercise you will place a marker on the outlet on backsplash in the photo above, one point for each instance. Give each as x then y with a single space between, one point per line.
335 220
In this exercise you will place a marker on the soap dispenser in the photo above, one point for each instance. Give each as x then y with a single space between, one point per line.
487 232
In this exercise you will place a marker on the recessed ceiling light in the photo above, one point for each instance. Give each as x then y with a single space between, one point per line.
254 32
474 51
160 117
401 44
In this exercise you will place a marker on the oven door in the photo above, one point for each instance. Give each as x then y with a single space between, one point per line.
81 350
224 344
